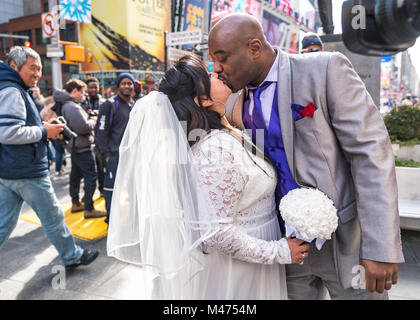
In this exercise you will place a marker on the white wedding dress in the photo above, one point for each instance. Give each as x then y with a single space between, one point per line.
246 255
201 219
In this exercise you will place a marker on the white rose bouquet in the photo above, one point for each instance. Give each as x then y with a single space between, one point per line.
309 214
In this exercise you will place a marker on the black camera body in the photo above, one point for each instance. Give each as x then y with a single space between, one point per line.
67 133
93 113
380 27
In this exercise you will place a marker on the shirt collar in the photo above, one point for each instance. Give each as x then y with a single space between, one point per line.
272 74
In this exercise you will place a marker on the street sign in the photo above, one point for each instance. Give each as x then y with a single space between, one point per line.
175 54
202 47
184 37
49 25
54 51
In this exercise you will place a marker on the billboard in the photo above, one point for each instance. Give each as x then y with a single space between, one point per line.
76 10
194 15
126 35
280 33
221 8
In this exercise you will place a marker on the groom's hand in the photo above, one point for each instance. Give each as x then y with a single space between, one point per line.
379 276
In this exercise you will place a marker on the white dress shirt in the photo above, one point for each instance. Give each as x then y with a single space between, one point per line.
267 95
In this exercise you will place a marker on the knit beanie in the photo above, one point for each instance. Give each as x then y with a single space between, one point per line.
125 75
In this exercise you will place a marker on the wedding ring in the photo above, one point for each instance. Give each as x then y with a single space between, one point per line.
388 282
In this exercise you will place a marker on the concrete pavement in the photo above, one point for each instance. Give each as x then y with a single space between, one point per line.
31 269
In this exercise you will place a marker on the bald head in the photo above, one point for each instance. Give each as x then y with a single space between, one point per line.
238 26
240 51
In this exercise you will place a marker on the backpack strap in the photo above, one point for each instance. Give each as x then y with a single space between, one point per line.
114 107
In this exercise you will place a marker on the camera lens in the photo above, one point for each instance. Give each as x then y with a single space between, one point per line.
380 27
399 20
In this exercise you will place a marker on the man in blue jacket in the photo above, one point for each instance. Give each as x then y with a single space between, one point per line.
23 158
112 121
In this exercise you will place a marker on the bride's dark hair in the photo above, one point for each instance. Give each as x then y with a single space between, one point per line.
187 79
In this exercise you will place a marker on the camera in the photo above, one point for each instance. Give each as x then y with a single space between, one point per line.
67 133
380 27
93 113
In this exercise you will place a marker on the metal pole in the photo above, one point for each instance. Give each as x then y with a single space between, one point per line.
57 77
102 77
166 50
5 35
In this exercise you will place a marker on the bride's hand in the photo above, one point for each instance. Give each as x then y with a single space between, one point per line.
298 249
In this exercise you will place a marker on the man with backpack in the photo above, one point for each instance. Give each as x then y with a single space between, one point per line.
112 120
81 148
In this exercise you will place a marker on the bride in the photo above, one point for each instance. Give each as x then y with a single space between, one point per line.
192 202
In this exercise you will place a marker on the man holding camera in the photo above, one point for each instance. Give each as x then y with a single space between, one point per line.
82 157
23 158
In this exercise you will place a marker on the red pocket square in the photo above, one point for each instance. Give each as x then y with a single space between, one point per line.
308 111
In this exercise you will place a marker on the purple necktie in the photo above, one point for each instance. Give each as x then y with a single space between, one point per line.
257 121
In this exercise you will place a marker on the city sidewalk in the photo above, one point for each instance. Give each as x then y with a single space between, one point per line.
30 269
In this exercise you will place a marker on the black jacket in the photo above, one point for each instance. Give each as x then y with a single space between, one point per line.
111 124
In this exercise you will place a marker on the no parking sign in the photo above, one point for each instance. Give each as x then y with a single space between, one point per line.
49 25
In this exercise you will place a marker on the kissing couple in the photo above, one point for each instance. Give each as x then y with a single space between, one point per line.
196 200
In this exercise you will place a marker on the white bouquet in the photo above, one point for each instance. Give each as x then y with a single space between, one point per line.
310 213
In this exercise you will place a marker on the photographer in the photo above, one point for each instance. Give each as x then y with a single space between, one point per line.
23 158
82 157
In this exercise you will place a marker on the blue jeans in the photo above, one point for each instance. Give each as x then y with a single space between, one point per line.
59 155
39 194
83 165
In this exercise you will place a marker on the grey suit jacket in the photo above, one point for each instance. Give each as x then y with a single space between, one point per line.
344 151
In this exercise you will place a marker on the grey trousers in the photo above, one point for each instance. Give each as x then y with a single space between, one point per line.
316 279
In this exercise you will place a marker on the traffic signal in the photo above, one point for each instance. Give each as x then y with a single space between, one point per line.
27 44
89 57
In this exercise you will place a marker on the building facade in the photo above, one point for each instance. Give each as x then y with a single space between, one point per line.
29 24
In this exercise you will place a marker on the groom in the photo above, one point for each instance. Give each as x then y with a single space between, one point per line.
322 130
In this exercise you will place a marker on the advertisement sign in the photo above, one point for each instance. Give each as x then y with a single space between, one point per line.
307 14
184 37
194 15
276 30
127 35
76 10
221 8
281 33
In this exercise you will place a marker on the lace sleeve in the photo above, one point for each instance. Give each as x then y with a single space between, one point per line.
222 180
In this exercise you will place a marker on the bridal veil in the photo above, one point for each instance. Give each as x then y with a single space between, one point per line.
158 219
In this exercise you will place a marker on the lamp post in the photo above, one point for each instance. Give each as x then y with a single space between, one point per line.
101 65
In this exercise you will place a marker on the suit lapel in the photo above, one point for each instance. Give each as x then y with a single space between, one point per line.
284 90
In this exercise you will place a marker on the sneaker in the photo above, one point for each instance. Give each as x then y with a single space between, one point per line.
87 258
76 207
59 175
94 214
